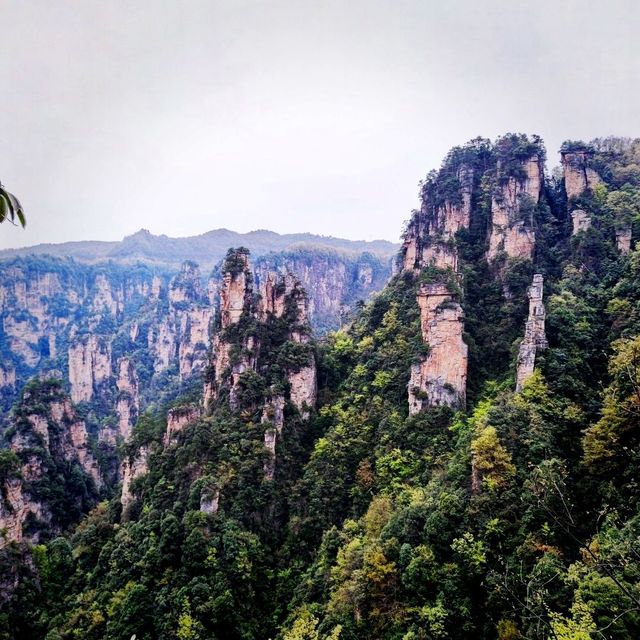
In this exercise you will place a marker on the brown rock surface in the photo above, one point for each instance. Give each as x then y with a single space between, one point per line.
579 176
534 334
441 376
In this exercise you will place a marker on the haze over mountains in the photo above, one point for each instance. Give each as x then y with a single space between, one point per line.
206 249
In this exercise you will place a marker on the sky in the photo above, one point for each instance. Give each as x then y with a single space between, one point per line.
292 115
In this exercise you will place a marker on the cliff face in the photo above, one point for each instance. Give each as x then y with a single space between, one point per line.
48 441
333 281
580 221
579 176
276 313
534 334
177 419
127 403
133 467
441 376
429 239
89 366
511 230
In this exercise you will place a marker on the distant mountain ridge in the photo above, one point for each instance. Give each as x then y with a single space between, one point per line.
207 249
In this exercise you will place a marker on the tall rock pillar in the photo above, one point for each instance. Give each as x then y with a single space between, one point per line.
534 334
441 377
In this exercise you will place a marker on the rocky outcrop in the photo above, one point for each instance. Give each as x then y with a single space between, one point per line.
209 501
579 176
127 404
235 293
303 388
162 342
441 376
133 467
106 297
89 365
235 298
7 376
186 287
16 505
195 338
511 230
580 220
534 334
239 367
177 419
623 239
429 239
332 281
273 419
47 436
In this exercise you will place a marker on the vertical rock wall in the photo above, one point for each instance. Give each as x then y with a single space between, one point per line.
89 365
441 377
579 176
511 231
429 239
534 334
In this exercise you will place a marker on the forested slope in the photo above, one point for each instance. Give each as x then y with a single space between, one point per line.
460 462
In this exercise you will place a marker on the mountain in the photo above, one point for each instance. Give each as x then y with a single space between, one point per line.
207 249
458 461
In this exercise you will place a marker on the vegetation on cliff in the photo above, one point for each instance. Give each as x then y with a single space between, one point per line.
517 517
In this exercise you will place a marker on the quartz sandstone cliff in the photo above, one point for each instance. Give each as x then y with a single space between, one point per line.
534 335
89 365
579 176
47 430
429 239
511 230
441 376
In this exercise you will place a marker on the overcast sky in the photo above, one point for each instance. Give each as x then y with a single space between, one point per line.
296 115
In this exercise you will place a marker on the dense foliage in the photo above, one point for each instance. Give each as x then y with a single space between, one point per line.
517 518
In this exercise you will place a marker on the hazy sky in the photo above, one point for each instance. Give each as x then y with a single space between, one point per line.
293 115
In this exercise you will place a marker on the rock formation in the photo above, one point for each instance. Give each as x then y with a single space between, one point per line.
133 468
47 436
186 286
7 376
441 376
511 231
429 239
195 338
279 307
332 281
581 221
89 365
534 334
177 419
209 501
273 418
623 239
579 176
127 404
